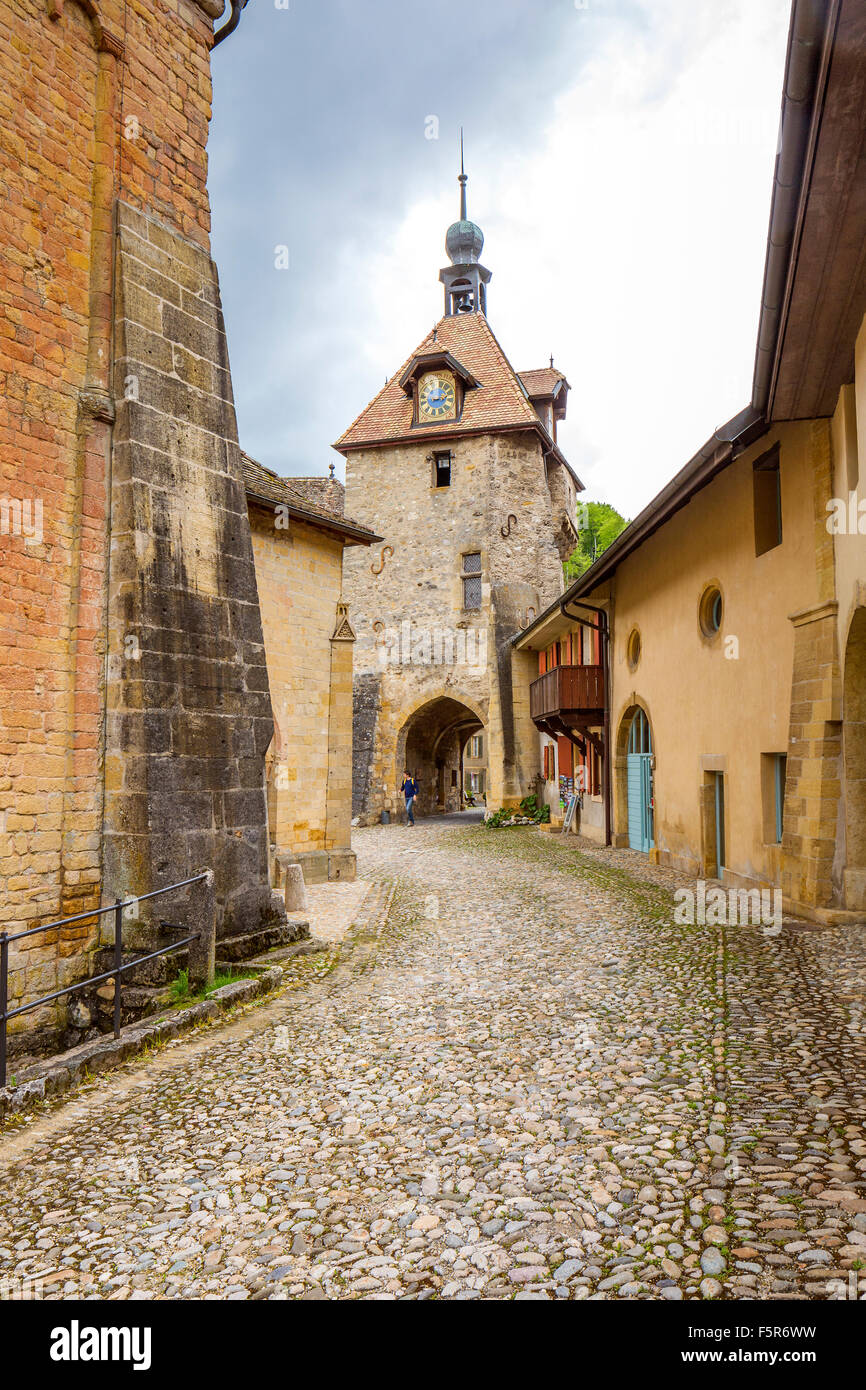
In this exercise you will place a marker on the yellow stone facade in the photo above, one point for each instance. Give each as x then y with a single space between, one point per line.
308 645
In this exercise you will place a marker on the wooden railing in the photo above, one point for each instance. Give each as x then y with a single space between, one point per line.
567 688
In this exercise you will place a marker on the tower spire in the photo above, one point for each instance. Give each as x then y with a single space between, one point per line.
465 279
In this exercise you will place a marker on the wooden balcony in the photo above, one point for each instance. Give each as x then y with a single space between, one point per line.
572 694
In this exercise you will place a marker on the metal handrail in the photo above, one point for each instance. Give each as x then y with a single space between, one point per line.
117 907
100 911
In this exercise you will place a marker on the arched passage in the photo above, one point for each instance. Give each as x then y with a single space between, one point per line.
854 743
430 745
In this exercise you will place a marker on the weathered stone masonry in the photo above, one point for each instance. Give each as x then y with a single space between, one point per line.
189 717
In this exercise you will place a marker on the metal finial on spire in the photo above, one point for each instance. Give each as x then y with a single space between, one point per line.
462 180
331 471
551 359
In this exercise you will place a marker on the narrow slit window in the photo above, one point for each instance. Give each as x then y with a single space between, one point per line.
768 501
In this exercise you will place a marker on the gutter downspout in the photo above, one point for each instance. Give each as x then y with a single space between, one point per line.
604 629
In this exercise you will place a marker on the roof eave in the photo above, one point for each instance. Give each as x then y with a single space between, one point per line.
721 448
813 22
359 534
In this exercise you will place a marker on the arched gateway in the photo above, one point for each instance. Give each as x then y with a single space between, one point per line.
430 744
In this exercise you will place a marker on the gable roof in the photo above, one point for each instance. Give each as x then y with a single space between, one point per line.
499 401
316 501
542 381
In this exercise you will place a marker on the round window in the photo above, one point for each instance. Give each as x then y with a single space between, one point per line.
633 648
711 611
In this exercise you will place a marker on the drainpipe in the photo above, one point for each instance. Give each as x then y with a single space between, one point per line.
604 629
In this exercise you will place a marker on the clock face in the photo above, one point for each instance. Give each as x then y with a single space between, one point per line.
437 398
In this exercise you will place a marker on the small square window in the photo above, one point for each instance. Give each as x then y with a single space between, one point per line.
442 470
768 501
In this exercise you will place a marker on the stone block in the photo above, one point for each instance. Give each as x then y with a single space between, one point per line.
314 865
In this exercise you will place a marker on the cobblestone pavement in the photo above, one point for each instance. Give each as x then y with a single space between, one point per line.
527 1083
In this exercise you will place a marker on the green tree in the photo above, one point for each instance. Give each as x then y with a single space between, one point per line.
599 524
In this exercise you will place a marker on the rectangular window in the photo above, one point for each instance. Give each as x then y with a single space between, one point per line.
595 786
472 580
768 501
774 772
442 470
478 746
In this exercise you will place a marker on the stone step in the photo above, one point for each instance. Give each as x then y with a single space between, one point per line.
231 949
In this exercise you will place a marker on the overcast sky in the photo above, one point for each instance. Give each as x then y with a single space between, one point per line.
620 155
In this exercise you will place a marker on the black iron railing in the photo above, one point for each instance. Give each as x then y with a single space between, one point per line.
118 969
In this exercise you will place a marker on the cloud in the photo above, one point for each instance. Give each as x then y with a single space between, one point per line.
620 161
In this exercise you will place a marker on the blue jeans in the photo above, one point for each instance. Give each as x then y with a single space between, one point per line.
410 814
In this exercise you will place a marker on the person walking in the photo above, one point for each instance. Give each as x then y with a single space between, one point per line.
409 789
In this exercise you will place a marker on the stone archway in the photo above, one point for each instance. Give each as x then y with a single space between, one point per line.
430 744
854 752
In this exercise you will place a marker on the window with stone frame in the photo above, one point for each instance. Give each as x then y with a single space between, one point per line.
471 577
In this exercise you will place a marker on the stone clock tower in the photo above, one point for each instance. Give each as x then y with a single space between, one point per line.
455 464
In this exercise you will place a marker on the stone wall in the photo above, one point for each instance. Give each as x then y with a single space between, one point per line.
189 716
300 574
409 589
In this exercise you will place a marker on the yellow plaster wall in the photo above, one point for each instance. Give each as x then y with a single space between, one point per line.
299 576
709 710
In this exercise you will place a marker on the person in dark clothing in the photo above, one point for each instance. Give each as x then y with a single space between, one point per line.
409 789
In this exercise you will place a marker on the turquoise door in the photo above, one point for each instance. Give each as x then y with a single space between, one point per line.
639 784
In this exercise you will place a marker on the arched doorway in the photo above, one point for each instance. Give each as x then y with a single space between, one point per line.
639 780
430 745
854 744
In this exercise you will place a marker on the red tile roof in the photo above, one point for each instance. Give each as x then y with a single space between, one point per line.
499 402
318 501
541 381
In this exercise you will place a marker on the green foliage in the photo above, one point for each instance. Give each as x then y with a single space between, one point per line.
180 987
529 808
179 992
601 524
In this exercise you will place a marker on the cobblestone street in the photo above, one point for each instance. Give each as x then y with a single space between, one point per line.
527 1083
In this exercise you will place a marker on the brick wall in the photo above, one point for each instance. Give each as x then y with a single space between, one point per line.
101 104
